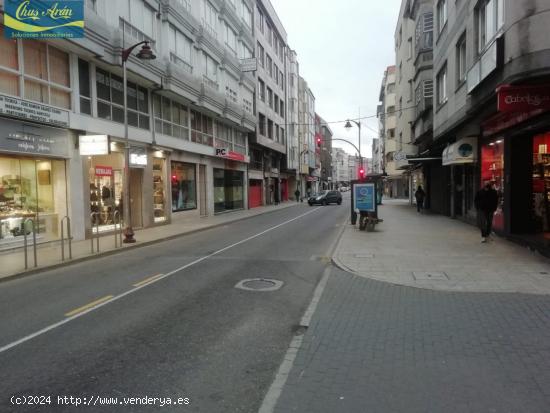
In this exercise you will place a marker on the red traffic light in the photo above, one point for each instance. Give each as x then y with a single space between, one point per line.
318 141
361 173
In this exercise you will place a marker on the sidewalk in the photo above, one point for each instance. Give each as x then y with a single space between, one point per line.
435 252
49 256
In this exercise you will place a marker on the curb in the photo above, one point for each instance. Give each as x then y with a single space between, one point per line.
79 260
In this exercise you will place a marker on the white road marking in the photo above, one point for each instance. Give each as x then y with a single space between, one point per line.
133 290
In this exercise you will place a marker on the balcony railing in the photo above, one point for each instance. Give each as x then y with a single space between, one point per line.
134 32
181 63
210 83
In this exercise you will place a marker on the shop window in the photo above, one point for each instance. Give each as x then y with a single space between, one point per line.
541 182
183 182
228 190
159 198
492 169
106 180
110 100
31 188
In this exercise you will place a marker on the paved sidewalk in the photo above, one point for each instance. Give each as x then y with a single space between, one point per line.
435 252
49 255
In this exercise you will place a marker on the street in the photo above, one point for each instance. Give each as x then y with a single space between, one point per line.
190 335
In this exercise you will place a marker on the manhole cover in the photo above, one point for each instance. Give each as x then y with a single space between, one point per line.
259 284
431 275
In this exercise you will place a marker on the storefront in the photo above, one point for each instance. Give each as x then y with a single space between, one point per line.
33 181
255 193
159 187
228 190
184 186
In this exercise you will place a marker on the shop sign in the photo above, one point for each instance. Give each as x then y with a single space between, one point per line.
523 98
227 154
363 197
38 140
502 121
90 145
461 152
138 157
103 171
44 19
32 111
249 65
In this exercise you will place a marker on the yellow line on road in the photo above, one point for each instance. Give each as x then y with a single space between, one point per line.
88 306
148 280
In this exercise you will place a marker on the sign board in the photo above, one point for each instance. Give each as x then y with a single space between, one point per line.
364 197
26 138
523 98
93 145
461 152
249 65
32 111
43 19
138 157
227 154
103 170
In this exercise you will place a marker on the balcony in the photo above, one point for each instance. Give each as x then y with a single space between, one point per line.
210 83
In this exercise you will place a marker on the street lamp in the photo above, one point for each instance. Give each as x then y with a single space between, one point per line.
145 54
348 126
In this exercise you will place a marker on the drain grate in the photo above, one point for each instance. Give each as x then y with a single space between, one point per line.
259 284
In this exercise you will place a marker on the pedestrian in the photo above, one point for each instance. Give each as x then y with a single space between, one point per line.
297 195
486 202
420 195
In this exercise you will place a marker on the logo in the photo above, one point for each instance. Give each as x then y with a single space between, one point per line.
465 150
43 19
221 152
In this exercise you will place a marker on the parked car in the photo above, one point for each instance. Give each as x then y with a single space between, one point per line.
325 198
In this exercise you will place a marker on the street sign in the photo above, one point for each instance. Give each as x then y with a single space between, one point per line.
364 198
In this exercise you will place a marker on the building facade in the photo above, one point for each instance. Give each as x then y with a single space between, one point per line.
388 123
492 71
189 113
309 179
340 169
325 158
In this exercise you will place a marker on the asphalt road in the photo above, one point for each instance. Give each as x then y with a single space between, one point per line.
186 334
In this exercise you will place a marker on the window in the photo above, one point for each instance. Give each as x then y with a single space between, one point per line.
270 129
270 98
183 183
210 71
269 63
275 103
110 100
244 51
282 108
441 85
138 21
171 117
410 48
441 15
260 22
202 129
246 14
261 55
490 14
209 18
276 73
261 89
230 38
45 76
84 87
180 49
261 124
269 34
461 60
282 80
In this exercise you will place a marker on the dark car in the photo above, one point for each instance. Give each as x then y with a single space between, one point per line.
325 198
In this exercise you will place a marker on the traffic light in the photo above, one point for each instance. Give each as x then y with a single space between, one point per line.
318 141
361 173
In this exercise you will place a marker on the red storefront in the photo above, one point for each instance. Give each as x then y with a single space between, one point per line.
515 155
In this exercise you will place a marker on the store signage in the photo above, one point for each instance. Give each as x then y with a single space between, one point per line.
363 197
30 139
461 152
227 154
44 19
138 157
32 111
93 145
505 120
249 65
103 171
523 98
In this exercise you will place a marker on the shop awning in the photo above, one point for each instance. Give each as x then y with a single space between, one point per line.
461 152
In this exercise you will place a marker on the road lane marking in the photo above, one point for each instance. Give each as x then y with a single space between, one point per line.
148 280
88 306
133 290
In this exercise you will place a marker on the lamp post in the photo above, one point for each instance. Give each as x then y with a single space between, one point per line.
145 54
349 125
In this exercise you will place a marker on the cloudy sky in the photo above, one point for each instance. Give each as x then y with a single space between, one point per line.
343 49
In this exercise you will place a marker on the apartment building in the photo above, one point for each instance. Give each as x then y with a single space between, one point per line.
325 153
491 123
340 168
268 145
309 178
189 113
293 128
388 123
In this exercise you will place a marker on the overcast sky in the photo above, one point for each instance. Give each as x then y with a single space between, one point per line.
343 49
